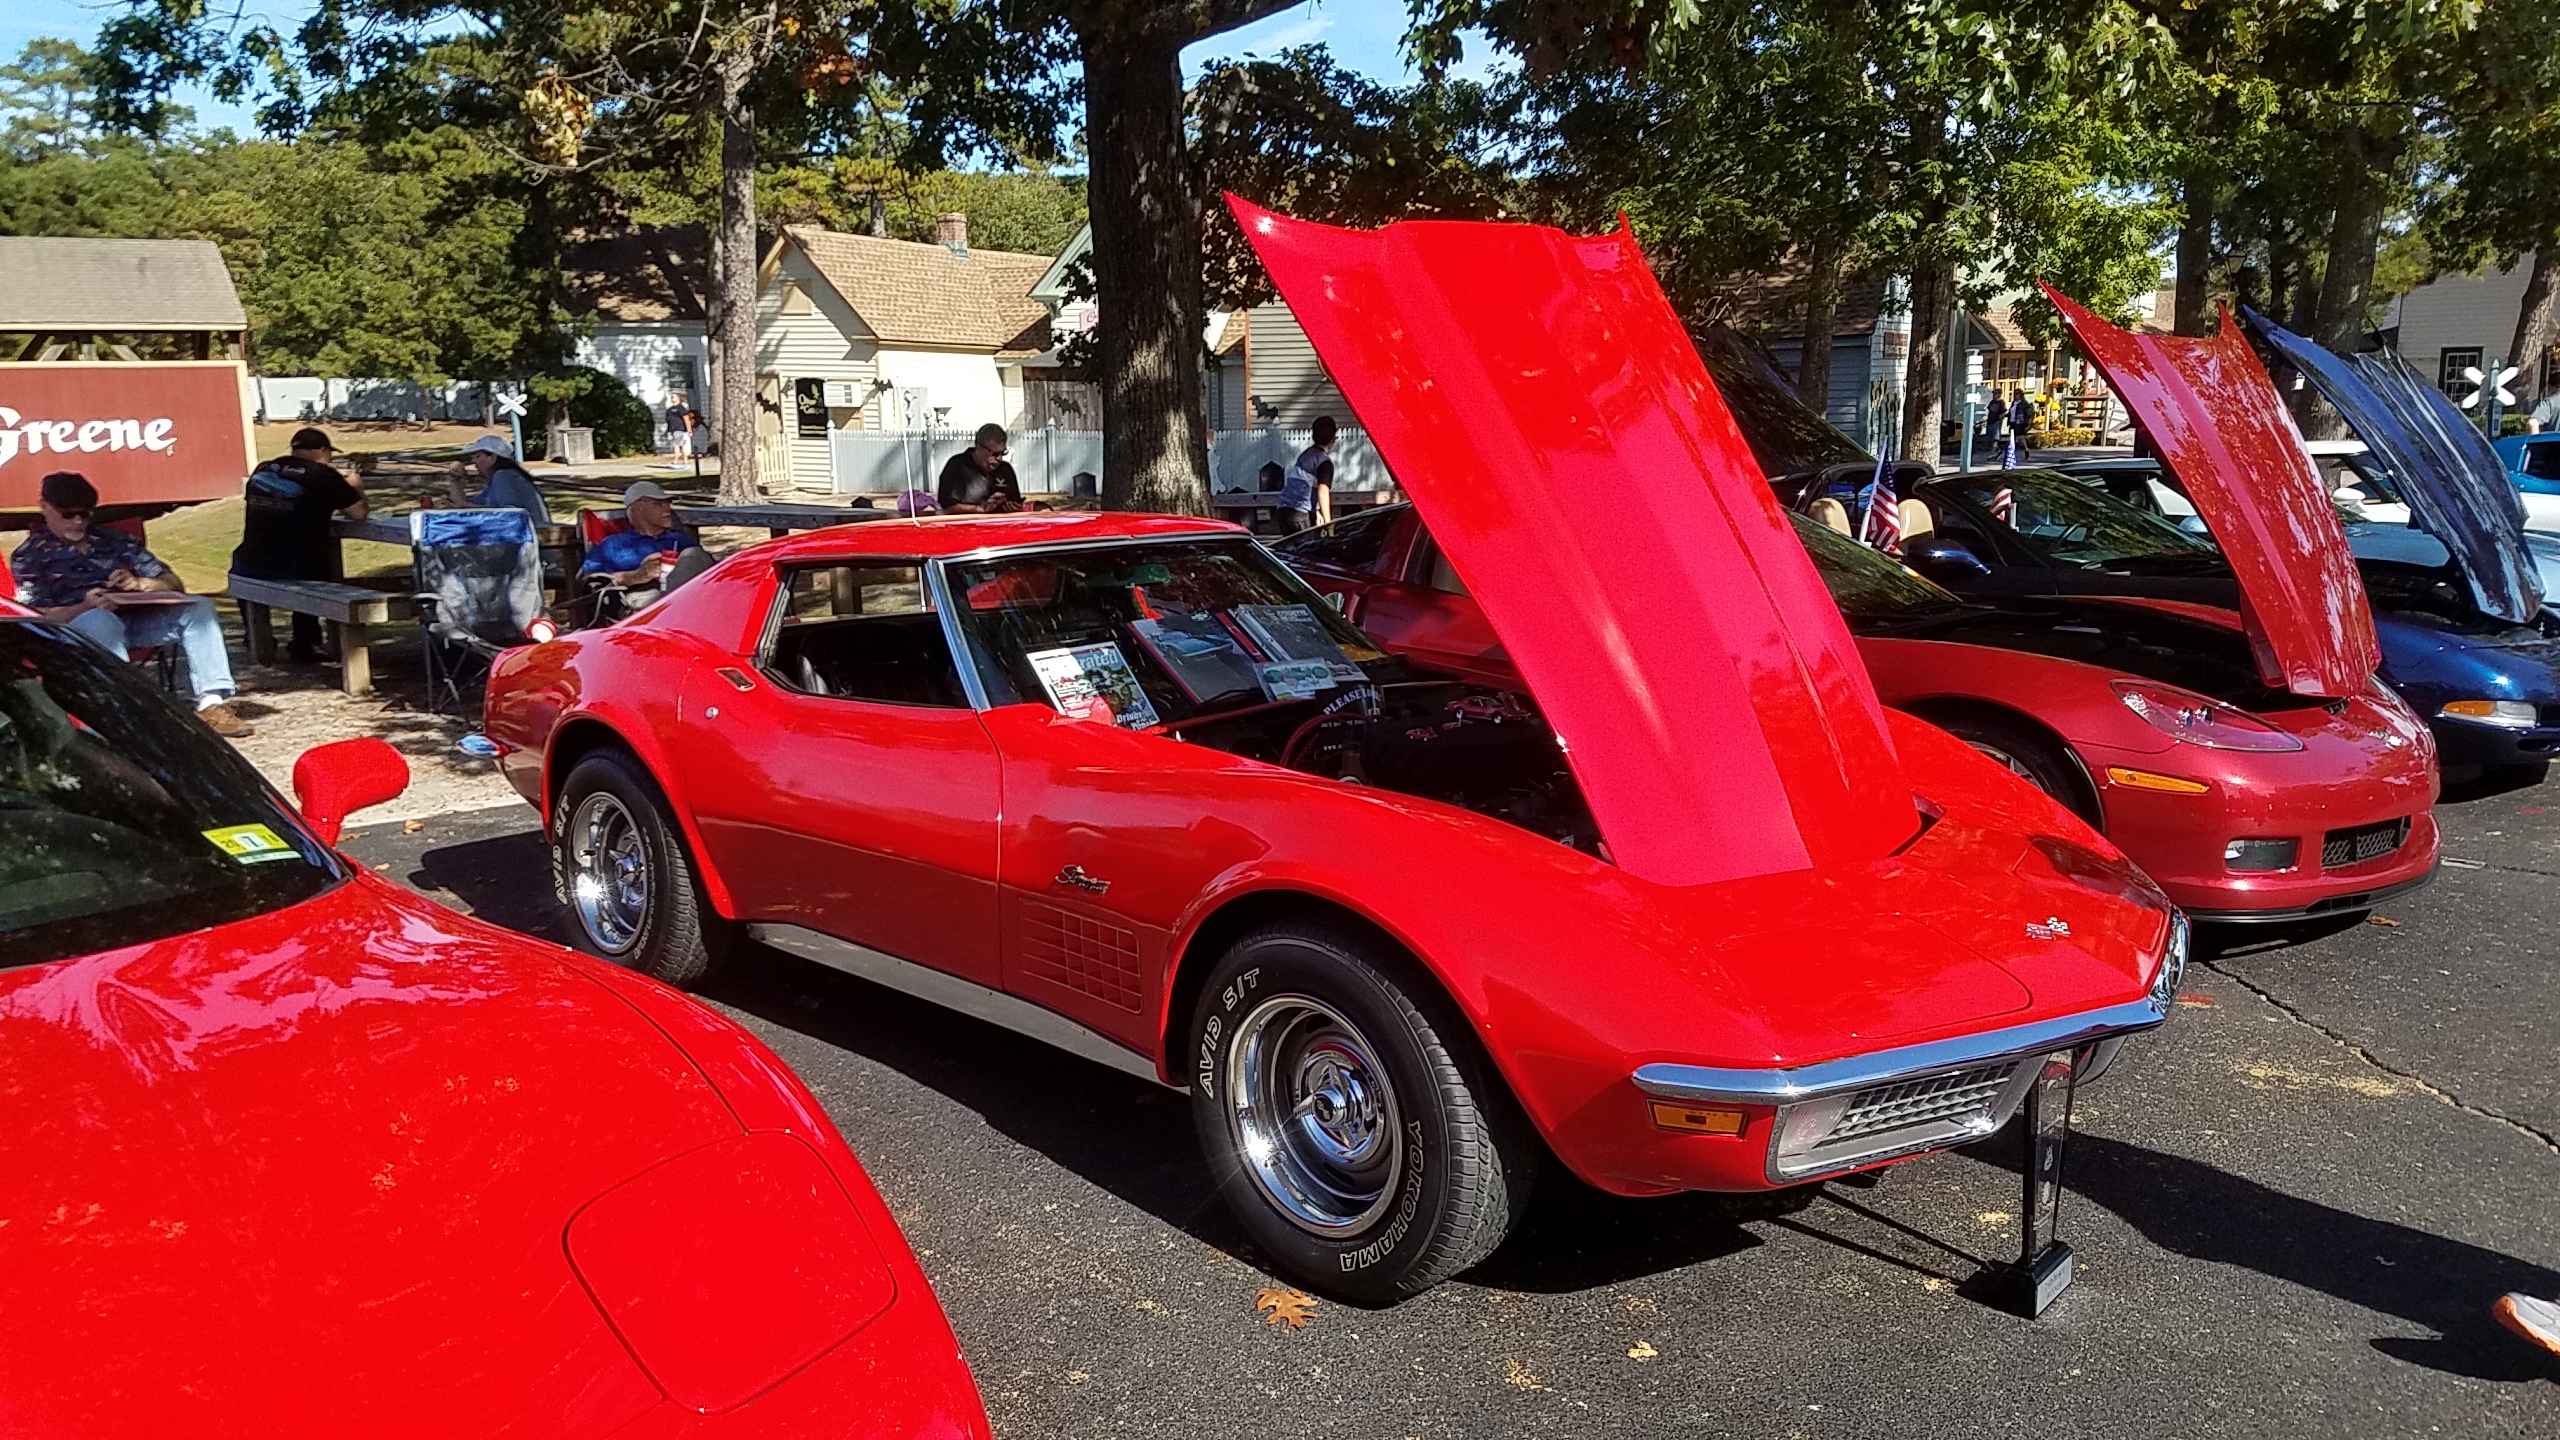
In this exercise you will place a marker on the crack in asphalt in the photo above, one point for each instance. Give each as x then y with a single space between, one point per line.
2538 1135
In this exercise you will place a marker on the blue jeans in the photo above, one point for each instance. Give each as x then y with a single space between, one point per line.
192 625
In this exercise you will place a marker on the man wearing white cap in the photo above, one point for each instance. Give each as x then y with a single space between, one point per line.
503 483
644 553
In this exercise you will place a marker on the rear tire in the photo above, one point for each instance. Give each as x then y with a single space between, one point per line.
2030 755
625 880
1356 1128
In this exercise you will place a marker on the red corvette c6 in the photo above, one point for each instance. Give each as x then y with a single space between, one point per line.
287 1150
1686 910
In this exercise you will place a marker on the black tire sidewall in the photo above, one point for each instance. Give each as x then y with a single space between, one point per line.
671 943
2056 774
1393 1258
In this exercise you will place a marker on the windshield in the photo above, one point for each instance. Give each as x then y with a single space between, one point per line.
1150 633
2070 524
123 820
1787 436
1864 584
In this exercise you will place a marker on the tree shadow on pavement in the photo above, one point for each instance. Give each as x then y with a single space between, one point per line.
2190 1208
505 880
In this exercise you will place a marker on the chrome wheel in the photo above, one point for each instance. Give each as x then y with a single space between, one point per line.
608 872
2007 761
1313 1116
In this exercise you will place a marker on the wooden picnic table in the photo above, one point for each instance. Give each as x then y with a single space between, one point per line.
776 519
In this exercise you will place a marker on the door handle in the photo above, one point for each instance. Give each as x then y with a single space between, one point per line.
1074 877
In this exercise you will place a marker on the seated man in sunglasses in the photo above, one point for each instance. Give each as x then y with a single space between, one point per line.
102 583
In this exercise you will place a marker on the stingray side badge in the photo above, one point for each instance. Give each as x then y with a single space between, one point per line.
2053 928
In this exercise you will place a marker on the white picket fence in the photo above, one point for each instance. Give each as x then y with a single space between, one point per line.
885 462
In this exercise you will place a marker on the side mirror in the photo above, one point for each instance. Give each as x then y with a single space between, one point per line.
333 781
1935 557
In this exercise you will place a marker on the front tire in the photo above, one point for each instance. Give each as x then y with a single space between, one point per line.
2031 756
626 882
1357 1131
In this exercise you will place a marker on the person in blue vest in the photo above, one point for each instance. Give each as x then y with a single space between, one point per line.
504 485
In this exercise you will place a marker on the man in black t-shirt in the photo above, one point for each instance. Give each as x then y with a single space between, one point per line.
979 480
285 534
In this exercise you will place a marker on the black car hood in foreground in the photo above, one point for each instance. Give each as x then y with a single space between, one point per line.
2458 490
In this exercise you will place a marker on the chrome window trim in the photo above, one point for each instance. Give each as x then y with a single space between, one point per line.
973 686
1856 1072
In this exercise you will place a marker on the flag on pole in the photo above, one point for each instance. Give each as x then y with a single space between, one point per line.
2009 452
1883 525
2004 506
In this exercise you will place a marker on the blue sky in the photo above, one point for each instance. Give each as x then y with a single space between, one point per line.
1364 35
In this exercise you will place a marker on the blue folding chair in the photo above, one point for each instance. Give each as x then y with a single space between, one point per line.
478 577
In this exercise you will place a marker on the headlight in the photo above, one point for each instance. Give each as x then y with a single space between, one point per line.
2185 715
2173 962
2505 714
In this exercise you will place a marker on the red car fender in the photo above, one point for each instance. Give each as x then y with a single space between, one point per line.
2075 701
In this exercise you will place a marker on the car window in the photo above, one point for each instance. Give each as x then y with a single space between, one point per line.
122 819
2542 462
1353 543
865 631
1863 583
1145 633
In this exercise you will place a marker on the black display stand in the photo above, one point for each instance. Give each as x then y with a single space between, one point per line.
2043 1267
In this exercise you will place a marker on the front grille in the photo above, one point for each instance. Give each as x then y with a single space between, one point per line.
2360 843
1960 1096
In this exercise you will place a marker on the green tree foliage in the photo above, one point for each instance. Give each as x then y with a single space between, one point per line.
598 401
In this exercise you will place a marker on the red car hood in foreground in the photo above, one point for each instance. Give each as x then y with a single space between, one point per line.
316 1173
1536 396
2222 428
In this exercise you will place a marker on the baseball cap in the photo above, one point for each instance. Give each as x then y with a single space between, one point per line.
69 490
645 490
491 445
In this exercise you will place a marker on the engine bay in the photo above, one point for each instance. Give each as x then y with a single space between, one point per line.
1462 744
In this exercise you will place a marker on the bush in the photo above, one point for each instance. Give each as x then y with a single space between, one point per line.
599 402
2060 439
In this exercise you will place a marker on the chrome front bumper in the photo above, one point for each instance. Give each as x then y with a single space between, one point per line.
1864 1109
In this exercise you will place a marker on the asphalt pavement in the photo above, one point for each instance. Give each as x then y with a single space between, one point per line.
2291 1206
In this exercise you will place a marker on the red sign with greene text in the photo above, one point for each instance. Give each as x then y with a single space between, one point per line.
144 432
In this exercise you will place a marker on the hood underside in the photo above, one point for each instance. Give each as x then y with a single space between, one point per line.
2222 428
1537 397
2456 487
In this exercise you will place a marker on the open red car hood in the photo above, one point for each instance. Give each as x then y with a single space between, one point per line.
2221 427
1537 397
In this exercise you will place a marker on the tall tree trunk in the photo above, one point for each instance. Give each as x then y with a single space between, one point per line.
1924 381
733 281
2346 278
2200 198
1146 272
1821 307
2537 323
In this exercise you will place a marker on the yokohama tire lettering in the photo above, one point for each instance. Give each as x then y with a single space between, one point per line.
1378 1249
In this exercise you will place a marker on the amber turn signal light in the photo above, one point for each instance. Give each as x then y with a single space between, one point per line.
2145 780
1696 1120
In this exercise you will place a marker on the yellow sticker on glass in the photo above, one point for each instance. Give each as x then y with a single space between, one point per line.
250 844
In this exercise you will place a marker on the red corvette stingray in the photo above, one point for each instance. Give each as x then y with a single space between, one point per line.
1686 909
291 1151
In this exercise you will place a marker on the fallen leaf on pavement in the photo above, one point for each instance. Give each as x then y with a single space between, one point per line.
413 827
2380 920
1293 1308
385 865
2199 1001
1642 1350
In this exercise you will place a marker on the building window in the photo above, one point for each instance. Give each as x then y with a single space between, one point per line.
2449 368
681 379
809 399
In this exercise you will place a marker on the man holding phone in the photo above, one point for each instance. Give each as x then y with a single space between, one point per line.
101 582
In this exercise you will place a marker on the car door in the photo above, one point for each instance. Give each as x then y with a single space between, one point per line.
846 786
1427 614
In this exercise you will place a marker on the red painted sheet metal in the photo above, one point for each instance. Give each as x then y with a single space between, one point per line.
1537 397
2221 426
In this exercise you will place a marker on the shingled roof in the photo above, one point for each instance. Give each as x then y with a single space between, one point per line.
49 283
931 295
655 273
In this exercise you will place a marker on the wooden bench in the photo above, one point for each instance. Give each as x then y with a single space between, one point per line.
349 609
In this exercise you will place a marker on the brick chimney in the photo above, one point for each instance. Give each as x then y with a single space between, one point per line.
952 228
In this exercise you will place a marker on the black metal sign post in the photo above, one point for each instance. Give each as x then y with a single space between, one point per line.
2043 1268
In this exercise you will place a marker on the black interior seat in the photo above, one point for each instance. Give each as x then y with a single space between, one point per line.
898 659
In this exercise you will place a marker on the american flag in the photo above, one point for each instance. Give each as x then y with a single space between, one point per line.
2009 452
1883 527
2004 505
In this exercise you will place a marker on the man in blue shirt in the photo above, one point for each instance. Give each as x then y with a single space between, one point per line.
103 584
503 483
642 554
1306 496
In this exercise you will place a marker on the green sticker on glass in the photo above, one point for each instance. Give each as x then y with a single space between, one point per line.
251 844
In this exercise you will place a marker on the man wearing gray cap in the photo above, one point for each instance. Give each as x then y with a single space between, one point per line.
503 483
644 553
